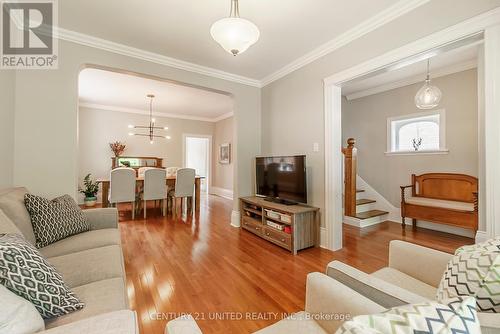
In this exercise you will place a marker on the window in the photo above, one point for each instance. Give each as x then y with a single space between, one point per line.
417 133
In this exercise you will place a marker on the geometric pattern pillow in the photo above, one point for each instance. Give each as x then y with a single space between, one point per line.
455 316
25 272
475 272
489 245
55 219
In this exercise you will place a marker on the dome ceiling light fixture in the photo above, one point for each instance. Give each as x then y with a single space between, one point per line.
234 33
151 127
428 96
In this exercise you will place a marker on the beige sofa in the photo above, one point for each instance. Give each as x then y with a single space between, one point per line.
91 264
413 275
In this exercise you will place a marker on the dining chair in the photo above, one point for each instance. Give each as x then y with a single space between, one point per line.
142 170
184 188
122 187
154 188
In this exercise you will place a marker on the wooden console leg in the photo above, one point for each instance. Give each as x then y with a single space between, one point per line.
403 222
414 223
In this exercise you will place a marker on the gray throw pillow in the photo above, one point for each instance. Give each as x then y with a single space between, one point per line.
25 272
55 219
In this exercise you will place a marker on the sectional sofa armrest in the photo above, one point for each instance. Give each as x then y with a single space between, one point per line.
183 325
102 218
330 302
490 322
425 264
117 322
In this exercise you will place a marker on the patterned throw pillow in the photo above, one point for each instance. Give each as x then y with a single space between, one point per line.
55 219
474 271
455 316
26 273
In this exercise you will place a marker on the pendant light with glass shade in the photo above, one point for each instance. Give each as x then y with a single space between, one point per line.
233 33
428 96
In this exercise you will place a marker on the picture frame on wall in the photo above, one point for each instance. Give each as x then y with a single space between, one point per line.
225 153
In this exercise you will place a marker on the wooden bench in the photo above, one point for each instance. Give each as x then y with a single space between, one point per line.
443 198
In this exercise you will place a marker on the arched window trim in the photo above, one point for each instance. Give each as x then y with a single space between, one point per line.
394 124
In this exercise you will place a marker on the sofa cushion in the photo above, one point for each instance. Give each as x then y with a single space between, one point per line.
455 316
25 272
406 282
56 219
301 322
474 271
7 226
17 315
12 204
99 297
117 322
90 265
83 241
440 203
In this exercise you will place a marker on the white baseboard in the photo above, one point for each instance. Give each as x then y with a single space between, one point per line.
322 238
226 193
235 218
481 236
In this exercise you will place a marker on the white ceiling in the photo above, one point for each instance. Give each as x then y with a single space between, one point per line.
127 93
443 64
180 28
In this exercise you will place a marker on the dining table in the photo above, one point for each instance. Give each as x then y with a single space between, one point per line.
169 181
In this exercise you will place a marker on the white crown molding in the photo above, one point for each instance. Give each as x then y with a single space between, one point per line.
463 66
224 116
99 43
157 114
400 8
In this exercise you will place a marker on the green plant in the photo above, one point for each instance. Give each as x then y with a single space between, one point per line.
91 188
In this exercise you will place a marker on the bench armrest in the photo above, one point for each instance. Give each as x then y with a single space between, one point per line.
331 302
403 188
411 259
102 218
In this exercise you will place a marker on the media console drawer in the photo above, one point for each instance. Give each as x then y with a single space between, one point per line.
252 225
281 238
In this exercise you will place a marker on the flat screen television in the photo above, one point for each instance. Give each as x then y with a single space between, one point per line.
282 179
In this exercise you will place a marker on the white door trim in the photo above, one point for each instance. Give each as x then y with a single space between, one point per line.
210 153
489 24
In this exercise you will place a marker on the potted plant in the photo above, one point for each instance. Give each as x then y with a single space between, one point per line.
90 191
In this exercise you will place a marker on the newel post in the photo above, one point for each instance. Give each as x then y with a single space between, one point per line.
350 172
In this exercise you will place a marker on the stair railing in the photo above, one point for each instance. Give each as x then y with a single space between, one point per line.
350 172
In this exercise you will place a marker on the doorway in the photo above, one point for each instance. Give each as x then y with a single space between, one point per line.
197 155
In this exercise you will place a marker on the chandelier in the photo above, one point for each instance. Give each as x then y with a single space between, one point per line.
428 96
151 127
233 33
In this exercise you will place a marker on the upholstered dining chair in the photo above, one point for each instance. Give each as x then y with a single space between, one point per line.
155 188
184 188
142 170
122 187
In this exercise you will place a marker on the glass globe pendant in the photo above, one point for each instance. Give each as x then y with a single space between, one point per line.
428 96
233 33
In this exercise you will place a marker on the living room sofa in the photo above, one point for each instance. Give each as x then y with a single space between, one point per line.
91 264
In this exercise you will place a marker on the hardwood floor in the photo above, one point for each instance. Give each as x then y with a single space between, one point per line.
203 266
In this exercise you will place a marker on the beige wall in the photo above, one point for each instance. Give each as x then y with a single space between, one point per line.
97 128
365 119
222 174
292 107
7 84
46 117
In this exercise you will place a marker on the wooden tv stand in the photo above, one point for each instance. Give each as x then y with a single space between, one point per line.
300 223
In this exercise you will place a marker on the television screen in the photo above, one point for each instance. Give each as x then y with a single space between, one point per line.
282 178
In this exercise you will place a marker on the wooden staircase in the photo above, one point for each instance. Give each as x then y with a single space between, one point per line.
358 211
